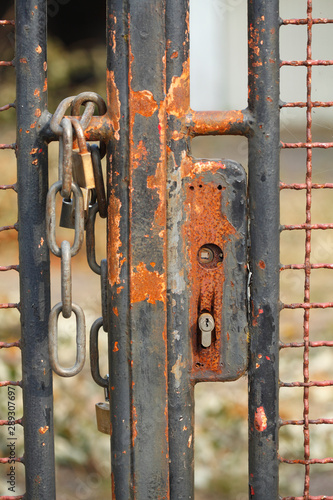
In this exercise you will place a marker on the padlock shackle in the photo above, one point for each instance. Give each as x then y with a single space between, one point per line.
80 137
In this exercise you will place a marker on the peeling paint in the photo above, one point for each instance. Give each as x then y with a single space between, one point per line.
113 103
114 243
260 419
43 430
147 285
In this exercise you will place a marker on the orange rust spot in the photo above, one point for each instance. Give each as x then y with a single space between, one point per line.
254 40
114 242
23 60
148 285
259 356
45 85
184 428
115 348
252 490
38 49
190 169
34 162
143 103
45 66
178 97
174 55
119 289
271 60
134 424
38 112
273 31
260 419
43 430
152 264
269 99
176 136
37 93
33 125
139 154
27 131
33 151
262 264
113 103
115 311
257 365
268 358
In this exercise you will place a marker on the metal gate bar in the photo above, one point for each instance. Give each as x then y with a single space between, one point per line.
264 146
308 227
32 185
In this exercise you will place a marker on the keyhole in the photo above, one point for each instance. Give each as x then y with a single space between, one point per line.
207 323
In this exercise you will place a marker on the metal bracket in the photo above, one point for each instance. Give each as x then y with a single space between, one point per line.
216 247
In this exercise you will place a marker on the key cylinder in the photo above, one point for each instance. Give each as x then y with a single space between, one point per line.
206 325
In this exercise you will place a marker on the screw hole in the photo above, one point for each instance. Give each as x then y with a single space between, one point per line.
219 187
200 185
191 188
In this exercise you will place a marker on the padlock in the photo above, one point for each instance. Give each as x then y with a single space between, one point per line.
103 417
67 214
83 172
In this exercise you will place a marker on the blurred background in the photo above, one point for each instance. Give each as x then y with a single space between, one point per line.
76 62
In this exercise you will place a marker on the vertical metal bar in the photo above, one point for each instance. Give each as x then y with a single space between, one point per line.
263 19
137 250
118 250
31 101
181 389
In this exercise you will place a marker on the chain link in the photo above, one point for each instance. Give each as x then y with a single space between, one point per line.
63 127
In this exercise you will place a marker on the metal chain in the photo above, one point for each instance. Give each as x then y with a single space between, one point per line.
73 199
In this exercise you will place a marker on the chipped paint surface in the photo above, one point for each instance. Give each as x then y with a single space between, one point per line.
260 419
113 103
177 370
178 94
115 256
147 285
43 430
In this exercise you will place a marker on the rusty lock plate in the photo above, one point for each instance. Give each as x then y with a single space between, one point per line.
216 248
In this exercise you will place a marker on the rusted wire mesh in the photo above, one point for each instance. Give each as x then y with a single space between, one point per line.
307 344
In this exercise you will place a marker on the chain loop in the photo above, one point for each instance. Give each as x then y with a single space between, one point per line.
84 98
65 157
94 354
104 294
59 115
80 341
51 216
66 279
99 181
90 239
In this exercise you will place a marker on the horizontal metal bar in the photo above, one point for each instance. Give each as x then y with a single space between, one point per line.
308 305
306 266
13 498
314 383
7 345
298 145
7 106
6 63
8 146
301 104
8 228
5 383
320 20
9 305
7 460
99 128
327 185
6 22
321 497
308 227
312 461
3 187
319 421
219 122
323 343
12 267
310 62
19 421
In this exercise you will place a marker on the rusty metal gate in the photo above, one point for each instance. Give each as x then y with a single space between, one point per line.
191 281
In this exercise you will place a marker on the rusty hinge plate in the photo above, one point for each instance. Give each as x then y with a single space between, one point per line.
216 248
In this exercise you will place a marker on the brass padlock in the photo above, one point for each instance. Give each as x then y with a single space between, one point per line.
83 172
103 417
67 214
